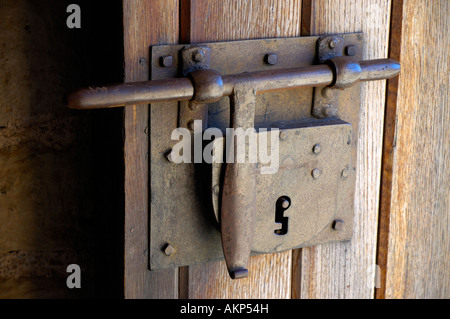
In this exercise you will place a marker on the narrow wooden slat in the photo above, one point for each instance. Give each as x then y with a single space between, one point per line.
390 115
347 270
217 20
229 20
146 22
418 263
296 281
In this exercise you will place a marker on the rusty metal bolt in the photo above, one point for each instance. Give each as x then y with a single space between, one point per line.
350 50
344 173
191 125
192 106
317 149
338 225
142 61
166 61
271 58
168 249
333 43
198 56
316 173
169 155
326 111
283 135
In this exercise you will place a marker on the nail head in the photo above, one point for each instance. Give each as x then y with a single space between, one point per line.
350 50
168 249
344 173
283 135
167 61
333 43
316 173
169 155
338 225
198 56
271 59
317 149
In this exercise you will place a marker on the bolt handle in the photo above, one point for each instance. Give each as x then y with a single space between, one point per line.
238 211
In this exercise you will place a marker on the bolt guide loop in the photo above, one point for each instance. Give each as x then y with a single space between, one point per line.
253 144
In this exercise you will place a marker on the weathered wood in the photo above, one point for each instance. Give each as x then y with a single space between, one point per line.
269 278
390 115
145 23
418 264
270 275
227 20
347 270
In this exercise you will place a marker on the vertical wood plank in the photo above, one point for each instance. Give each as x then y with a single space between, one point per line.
390 116
418 264
216 20
146 22
347 270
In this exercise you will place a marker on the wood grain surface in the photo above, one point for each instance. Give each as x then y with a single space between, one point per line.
145 23
418 264
270 275
390 116
347 270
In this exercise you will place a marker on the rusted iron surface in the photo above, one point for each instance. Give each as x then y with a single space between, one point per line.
182 89
309 183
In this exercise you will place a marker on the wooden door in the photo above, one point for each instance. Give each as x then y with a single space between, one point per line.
403 146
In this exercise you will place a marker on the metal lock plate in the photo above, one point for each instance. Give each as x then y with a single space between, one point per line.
309 189
183 226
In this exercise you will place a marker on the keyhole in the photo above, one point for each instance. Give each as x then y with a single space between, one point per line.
283 203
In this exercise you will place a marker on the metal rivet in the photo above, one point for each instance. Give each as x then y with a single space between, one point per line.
283 135
317 149
333 43
350 50
271 59
316 173
142 61
192 106
329 111
198 56
344 173
190 125
166 61
169 155
168 249
338 225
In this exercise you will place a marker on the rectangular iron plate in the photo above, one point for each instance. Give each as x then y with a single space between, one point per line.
181 213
